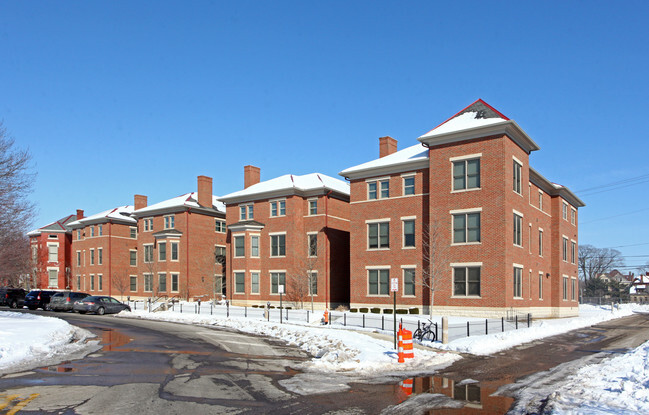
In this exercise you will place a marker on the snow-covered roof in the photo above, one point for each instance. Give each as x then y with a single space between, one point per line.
292 184
61 225
188 200
122 213
416 154
465 121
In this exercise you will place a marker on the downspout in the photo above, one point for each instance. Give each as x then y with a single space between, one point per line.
327 260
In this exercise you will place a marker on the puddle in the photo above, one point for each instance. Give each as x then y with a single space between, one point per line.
61 368
473 396
112 339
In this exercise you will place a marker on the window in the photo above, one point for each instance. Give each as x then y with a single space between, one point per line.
378 189
169 222
239 282
379 282
313 207
254 246
78 258
573 250
573 289
278 245
409 185
466 281
133 230
409 281
518 230
148 283
378 235
162 282
565 211
53 252
219 254
278 208
100 256
565 249
148 224
239 246
52 278
540 242
92 231
518 282
79 235
517 177
466 174
313 279
92 283
100 230
148 253
540 285
133 283
277 279
254 283
100 282
565 287
466 228
219 226
573 216
246 212
174 282
92 257
540 200
408 233
78 282
162 251
174 251
313 244
133 258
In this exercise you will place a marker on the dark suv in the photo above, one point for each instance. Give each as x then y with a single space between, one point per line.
38 299
63 301
12 297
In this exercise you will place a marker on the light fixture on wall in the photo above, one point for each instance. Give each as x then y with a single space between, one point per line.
547 275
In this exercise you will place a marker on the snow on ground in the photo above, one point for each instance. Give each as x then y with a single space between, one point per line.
28 340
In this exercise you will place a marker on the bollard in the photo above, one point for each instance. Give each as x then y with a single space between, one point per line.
467 330
286 314
245 311
211 309
181 308
445 330
307 316
363 320
345 319
502 322
436 336
516 319
382 322
529 319
486 326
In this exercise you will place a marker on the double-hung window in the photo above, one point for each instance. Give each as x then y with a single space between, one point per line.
174 282
518 230
466 281
540 285
565 249
100 230
132 283
239 282
518 171
378 282
254 282
148 283
378 189
378 235
409 233
564 211
162 282
53 252
246 212
148 253
466 174
133 232
278 208
518 282
573 251
169 222
278 245
466 227
174 251
409 281
148 224
254 246
408 185
277 279
133 258
100 256
239 246
573 216
162 251
313 280
313 244
313 206
92 257
540 242
219 225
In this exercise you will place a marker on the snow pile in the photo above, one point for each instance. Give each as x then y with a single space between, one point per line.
493 343
28 340
335 350
616 385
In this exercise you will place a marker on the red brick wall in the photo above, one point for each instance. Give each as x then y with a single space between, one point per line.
41 277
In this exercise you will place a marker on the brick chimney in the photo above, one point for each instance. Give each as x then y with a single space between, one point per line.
79 214
387 146
139 201
205 191
251 175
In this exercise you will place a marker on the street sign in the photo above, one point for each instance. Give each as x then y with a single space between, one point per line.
280 289
394 284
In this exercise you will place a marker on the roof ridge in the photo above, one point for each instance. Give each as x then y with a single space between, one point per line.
480 100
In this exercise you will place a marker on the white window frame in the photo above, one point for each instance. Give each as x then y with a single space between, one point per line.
312 203
310 235
404 269
92 256
565 288
100 230
275 291
465 213
176 245
278 205
378 223
132 278
310 278
405 219
564 210
148 282
219 226
174 278
405 177
382 184
252 281
573 215
49 252
518 225
573 251
130 257
466 159
541 242
565 248
160 259
51 270
378 269
160 287
466 266
169 221
518 281
517 176
257 237
277 235
235 275
234 245
147 253
148 224
100 256
541 200
540 285
247 211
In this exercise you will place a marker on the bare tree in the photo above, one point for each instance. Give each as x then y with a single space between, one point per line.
435 253
302 284
594 261
121 282
16 211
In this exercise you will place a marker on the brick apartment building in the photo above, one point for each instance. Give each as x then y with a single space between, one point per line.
181 246
465 208
291 231
100 250
50 254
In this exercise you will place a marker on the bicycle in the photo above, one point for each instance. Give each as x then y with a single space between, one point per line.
425 332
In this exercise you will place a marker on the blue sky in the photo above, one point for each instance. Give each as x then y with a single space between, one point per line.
117 98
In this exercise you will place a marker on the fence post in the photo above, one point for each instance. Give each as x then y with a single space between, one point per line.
502 322
486 326
516 319
307 316
529 319
436 332
245 311
345 319
181 308
468 334
211 309
382 322
363 320
286 314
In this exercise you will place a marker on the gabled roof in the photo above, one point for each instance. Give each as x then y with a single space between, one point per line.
118 214
411 158
475 121
61 225
180 204
307 185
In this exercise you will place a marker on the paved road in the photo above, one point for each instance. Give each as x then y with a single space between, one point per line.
153 367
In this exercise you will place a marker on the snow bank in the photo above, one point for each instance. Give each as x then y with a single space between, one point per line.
28 340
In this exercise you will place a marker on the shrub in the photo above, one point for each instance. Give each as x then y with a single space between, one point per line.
353 310
402 311
414 310
342 308
375 310
255 306
387 311
364 310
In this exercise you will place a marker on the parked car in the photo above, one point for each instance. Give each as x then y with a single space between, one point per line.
64 301
38 299
12 297
99 304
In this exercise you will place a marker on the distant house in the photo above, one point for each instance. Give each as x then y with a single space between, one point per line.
617 276
100 250
50 253
639 289
290 233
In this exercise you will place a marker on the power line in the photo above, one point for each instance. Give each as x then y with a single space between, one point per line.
614 216
614 185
